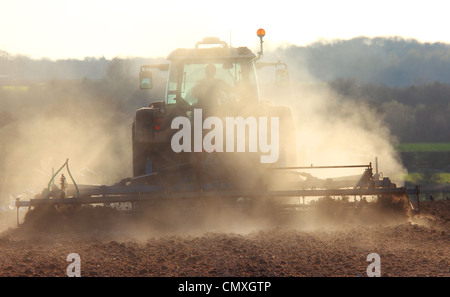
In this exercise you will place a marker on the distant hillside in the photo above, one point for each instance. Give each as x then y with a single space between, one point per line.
395 62
408 82
22 68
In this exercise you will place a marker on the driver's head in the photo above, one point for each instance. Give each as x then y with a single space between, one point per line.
210 70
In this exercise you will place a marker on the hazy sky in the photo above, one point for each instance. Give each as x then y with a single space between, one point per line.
78 28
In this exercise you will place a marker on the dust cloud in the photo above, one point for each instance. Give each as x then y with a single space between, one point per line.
333 130
57 121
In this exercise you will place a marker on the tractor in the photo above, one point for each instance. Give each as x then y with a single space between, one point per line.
212 139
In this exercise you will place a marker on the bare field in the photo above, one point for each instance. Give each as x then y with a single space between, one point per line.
417 246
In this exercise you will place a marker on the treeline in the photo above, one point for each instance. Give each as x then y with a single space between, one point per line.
394 62
19 68
418 113
408 82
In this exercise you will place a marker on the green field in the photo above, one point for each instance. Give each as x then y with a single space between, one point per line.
424 147
429 161
15 88
437 178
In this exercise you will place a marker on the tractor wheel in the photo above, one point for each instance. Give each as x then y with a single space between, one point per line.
141 160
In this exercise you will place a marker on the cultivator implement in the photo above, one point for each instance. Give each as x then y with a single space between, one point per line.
169 187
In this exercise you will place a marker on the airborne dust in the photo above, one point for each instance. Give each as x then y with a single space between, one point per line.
89 123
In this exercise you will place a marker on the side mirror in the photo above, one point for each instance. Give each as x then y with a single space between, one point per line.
145 79
282 78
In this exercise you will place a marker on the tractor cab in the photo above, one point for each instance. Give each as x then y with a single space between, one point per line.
212 74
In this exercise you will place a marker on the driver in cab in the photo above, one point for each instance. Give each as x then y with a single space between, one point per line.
211 91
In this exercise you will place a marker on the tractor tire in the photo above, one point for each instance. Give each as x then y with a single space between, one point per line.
140 159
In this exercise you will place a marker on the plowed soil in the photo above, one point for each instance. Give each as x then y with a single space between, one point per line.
418 245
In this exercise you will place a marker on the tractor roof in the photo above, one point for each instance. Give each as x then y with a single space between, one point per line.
222 51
